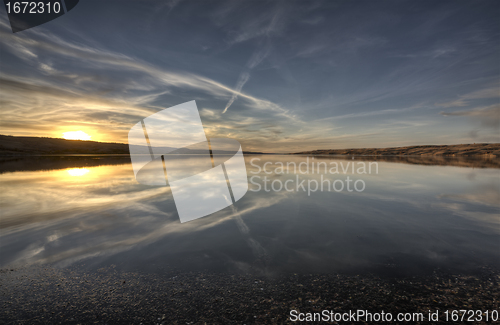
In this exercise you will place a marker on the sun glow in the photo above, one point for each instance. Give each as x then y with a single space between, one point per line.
76 135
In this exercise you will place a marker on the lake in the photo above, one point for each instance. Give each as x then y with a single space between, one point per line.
412 216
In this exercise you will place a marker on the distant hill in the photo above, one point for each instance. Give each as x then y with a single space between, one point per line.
477 149
35 145
14 146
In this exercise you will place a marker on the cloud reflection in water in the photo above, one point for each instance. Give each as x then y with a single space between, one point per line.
410 218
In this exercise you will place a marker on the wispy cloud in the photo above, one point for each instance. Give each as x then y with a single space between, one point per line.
278 76
464 100
107 59
242 80
258 56
488 116
66 90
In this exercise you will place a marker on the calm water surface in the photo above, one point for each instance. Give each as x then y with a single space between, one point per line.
410 219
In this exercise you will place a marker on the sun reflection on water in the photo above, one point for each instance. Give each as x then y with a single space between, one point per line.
77 171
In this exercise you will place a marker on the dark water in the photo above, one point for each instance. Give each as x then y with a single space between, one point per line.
410 218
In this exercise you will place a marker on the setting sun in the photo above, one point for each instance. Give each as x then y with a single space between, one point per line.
76 135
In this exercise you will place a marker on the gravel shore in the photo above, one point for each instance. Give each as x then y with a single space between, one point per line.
46 295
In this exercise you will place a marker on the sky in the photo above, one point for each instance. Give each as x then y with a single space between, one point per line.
278 76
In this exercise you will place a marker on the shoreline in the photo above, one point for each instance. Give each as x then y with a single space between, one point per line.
51 162
43 294
26 146
484 150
